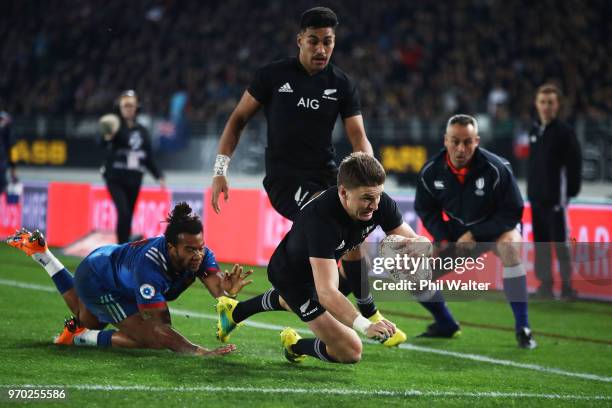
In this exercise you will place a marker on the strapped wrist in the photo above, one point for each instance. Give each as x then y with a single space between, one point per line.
229 295
221 165
361 324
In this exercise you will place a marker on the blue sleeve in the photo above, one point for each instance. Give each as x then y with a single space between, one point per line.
150 284
429 209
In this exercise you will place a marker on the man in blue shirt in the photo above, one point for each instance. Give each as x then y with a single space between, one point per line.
129 286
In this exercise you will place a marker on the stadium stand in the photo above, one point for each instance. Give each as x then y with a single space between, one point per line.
411 59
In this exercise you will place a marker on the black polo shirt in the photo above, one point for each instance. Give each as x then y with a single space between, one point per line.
554 165
301 111
323 229
129 154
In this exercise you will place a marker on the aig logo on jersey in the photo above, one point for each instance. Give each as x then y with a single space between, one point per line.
147 291
308 103
480 183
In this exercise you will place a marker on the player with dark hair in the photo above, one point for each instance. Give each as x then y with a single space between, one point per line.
302 98
129 153
554 176
467 195
304 267
129 286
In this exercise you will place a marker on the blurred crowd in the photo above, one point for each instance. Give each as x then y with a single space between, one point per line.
423 58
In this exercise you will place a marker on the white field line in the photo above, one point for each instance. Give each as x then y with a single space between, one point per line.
327 391
267 326
25 285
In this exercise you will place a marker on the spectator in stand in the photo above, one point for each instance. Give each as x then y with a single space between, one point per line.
403 54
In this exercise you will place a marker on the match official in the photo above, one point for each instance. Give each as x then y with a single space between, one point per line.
466 194
554 176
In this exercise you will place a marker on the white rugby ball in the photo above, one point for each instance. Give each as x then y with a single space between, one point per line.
109 123
414 254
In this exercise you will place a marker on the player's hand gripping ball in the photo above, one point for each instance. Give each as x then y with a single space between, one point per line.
412 263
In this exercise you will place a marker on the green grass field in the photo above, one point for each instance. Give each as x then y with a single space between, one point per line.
572 366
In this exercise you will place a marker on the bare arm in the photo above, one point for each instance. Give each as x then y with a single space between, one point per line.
403 230
229 283
325 272
244 111
158 325
356 134
213 284
418 244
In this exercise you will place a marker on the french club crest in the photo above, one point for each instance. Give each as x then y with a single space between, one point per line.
480 183
147 291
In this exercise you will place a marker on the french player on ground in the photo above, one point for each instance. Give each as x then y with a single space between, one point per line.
129 286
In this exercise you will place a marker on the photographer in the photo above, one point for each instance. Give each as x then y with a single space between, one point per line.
129 153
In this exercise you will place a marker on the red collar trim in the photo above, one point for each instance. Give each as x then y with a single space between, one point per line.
460 173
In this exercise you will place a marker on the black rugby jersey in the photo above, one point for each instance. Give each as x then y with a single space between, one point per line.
129 153
323 229
301 111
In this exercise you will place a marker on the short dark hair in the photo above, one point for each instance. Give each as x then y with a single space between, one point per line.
359 169
549 88
463 120
318 17
182 220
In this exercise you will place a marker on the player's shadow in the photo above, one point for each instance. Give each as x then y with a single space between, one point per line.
178 370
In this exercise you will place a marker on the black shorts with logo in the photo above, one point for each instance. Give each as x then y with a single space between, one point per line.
288 194
301 297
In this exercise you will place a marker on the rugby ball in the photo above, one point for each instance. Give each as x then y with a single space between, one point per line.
412 264
109 123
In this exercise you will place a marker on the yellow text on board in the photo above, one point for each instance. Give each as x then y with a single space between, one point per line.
47 152
402 159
